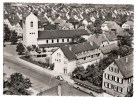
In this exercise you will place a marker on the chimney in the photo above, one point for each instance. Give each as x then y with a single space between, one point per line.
70 48
91 43
126 60
118 56
59 89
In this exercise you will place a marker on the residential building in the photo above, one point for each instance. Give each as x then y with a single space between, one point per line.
70 56
118 76
128 25
64 60
108 48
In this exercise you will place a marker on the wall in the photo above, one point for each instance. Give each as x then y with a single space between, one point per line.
90 57
31 39
44 41
125 26
61 62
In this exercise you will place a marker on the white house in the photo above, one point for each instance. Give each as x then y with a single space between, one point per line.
128 25
118 76
64 60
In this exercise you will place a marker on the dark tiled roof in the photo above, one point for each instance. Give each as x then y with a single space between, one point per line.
25 15
69 54
81 47
126 68
52 45
98 39
108 48
54 34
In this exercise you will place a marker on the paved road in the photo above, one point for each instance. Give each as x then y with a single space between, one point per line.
40 80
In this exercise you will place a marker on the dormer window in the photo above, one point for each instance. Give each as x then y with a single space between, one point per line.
31 24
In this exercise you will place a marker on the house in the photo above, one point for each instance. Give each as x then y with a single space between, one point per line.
118 76
67 58
111 26
18 29
62 90
128 25
64 60
46 38
99 39
108 48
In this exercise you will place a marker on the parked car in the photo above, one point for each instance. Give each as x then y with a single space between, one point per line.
59 77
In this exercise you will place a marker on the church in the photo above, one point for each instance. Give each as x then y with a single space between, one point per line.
47 38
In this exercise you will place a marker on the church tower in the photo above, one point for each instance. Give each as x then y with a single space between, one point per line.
30 30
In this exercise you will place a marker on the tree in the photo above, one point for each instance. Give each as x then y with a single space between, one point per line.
125 40
14 37
18 85
7 33
20 48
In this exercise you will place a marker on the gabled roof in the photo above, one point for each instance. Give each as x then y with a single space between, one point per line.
81 47
69 54
113 25
25 15
126 68
130 23
55 34
108 48
98 39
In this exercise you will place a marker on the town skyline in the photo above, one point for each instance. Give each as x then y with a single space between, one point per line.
86 48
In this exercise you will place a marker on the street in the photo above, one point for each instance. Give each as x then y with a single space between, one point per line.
40 80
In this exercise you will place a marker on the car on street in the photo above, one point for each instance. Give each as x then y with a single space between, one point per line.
59 77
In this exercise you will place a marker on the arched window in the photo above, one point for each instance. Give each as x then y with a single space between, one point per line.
31 24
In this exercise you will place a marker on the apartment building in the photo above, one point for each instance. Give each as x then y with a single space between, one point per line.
118 76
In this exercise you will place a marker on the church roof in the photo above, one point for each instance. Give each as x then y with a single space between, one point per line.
55 34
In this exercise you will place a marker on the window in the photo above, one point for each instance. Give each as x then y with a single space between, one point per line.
115 79
116 70
106 84
31 24
91 56
67 40
120 80
38 55
110 77
111 69
52 41
57 40
129 80
62 40
44 55
84 58
109 86
119 89
106 75
98 54
115 88
46 41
